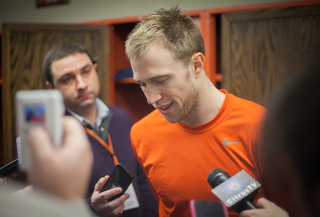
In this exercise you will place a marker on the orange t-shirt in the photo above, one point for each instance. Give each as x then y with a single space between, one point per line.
177 158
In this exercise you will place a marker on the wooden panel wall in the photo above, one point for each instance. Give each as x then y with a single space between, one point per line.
262 48
23 50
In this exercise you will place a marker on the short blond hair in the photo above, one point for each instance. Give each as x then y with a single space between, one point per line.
172 28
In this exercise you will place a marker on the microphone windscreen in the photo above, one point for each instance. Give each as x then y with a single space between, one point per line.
217 176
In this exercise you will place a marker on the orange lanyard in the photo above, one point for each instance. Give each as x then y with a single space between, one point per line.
108 146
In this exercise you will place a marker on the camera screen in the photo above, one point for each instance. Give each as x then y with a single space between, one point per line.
35 113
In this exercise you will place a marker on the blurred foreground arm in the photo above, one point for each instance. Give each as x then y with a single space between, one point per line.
266 209
59 176
63 171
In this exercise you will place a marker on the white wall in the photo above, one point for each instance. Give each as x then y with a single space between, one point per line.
22 11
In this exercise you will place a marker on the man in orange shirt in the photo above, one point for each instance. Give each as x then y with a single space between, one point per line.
195 127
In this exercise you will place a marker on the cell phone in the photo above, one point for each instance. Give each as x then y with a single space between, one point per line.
13 165
120 177
9 168
199 208
38 108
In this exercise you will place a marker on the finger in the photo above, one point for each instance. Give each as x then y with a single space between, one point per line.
75 138
250 213
40 143
99 185
263 203
106 195
111 209
97 188
74 134
124 197
99 199
115 206
118 210
28 189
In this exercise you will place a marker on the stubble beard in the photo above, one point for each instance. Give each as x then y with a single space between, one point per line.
80 107
187 107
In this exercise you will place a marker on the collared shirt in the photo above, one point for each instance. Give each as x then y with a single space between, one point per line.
103 112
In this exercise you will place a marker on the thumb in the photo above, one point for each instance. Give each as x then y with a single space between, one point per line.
98 187
40 143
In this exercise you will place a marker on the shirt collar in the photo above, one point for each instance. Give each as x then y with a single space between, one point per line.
103 112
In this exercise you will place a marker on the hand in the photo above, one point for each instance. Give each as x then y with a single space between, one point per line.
11 176
266 209
100 202
28 189
2 181
63 171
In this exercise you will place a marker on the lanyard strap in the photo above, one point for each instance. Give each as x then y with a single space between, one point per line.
108 146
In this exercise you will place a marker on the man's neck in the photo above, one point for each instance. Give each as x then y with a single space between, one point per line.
90 113
208 106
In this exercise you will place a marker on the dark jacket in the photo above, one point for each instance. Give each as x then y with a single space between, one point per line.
103 164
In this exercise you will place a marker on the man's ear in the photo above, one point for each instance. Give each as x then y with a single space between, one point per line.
198 62
49 85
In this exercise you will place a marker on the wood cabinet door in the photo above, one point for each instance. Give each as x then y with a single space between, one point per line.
23 50
261 49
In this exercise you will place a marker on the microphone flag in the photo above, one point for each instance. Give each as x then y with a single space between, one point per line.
235 189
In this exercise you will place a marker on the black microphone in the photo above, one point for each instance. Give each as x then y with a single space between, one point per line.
237 192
